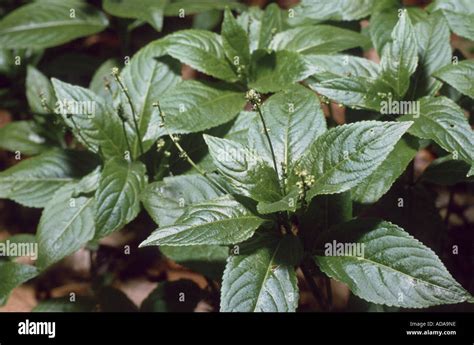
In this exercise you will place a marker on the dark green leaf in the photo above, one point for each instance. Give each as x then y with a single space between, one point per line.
13 274
25 137
174 297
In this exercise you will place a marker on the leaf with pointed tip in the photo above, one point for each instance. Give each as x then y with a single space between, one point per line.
344 156
251 22
273 21
99 126
380 181
118 195
147 80
460 76
150 11
235 41
354 91
399 57
294 119
49 23
25 137
259 279
318 39
166 201
202 50
461 6
461 23
443 121
39 86
394 269
434 51
66 225
33 181
13 274
247 173
193 106
337 66
221 221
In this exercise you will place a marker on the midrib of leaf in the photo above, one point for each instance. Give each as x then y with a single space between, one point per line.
356 258
74 217
24 28
266 275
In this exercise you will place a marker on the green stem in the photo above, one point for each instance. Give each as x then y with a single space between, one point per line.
132 108
259 111
184 154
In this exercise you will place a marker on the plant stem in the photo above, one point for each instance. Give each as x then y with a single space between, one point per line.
124 129
260 114
132 108
184 154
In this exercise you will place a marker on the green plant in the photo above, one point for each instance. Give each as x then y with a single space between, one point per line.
247 178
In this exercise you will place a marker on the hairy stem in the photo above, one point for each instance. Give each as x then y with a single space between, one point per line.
184 154
132 108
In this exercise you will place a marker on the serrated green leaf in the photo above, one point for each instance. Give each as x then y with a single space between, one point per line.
235 41
118 195
244 169
38 86
460 76
336 66
33 181
147 80
354 91
66 225
260 278
202 50
294 119
434 51
318 39
273 21
150 11
399 57
443 121
188 7
461 23
167 200
380 181
344 156
167 297
49 23
321 10
96 125
395 269
461 6
274 71
221 221
193 106
207 260
13 274
251 22
25 137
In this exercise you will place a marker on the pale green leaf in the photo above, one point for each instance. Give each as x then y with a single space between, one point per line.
337 66
188 7
235 41
273 21
344 156
318 39
25 137
150 11
38 86
118 195
460 76
399 57
66 225
48 23
32 182
394 269
221 221
322 10
259 279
